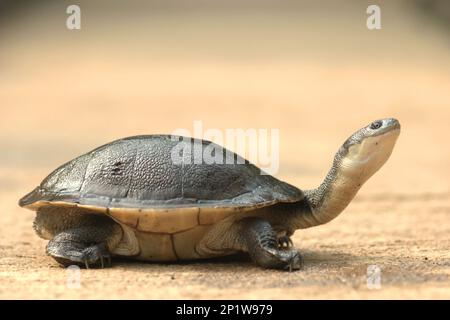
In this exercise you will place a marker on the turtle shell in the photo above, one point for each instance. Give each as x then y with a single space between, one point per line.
161 183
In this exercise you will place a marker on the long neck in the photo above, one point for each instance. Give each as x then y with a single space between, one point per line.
354 163
334 194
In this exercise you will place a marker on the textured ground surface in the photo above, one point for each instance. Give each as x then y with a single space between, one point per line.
61 95
395 234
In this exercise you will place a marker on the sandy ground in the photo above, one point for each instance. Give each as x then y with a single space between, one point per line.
396 234
60 97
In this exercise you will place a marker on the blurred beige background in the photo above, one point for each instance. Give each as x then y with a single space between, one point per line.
311 69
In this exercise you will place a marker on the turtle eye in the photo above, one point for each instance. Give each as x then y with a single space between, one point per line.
376 125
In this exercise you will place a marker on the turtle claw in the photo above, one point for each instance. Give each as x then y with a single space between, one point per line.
295 262
285 242
96 255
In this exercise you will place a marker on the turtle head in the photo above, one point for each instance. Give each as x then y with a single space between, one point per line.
356 161
368 148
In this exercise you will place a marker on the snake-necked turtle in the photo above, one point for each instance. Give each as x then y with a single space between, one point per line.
130 198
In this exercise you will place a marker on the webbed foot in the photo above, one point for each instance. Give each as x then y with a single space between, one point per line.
71 248
263 246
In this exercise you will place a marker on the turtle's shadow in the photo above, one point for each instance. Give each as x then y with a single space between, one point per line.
311 259
234 259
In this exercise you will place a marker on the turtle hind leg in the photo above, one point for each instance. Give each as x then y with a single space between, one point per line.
85 245
260 240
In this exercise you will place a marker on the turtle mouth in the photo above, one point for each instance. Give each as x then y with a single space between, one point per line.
373 151
379 131
387 125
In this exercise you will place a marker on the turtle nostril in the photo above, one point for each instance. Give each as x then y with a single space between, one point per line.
376 125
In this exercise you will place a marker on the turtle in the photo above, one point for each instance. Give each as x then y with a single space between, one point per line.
159 198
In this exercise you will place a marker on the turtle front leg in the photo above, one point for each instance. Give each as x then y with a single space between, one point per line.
262 244
84 246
